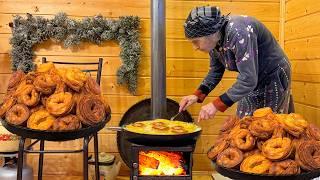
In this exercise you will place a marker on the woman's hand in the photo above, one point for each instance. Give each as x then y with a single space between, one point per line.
187 101
207 112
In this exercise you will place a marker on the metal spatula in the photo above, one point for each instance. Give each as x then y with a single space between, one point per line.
173 117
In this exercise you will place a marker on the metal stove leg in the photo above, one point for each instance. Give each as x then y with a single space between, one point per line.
96 156
20 158
40 166
85 157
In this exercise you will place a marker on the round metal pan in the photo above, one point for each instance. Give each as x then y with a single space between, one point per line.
237 174
54 135
151 139
139 112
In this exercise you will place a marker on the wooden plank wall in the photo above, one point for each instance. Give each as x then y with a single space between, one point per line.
302 43
185 67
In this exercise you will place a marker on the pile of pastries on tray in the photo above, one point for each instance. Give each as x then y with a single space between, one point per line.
51 98
268 143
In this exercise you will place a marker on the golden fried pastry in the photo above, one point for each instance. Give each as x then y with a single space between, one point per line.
257 164
251 152
7 104
30 77
138 124
15 79
215 150
277 148
286 167
229 123
45 67
307 155
230 158
262 128
294 124
36 108
160 127
73 77
91 87
243 140
278 132
29 96
178 130
44 84
313 132
234 130
259 144
60 104
222 137
158 123
91 110
18 114
245 122
262 112
60 87
43 100
67 123
41 120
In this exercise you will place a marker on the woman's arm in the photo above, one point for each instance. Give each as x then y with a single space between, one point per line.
213 77
245 46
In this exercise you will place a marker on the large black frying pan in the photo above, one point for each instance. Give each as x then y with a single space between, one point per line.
237 174
139 112
153 139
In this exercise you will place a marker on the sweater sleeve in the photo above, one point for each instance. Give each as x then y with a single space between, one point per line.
245 48
213 77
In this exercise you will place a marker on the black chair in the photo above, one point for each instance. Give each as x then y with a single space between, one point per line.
86 139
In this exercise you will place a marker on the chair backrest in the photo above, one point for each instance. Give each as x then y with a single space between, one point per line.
98 70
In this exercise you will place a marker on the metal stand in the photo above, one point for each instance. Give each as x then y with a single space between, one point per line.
41 153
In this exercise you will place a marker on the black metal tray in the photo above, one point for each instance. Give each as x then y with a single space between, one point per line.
237 174
54 135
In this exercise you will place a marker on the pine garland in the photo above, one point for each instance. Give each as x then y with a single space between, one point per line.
29 31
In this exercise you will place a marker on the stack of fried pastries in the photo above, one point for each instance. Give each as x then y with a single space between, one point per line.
53 99
268 143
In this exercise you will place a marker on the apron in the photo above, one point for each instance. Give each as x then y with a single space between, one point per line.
273 91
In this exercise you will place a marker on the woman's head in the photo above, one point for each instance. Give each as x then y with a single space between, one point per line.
202 27
206 43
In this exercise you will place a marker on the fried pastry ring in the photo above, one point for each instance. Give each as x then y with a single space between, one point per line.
41 120
243 140
18 114
257 164
277 148
230 157
59 104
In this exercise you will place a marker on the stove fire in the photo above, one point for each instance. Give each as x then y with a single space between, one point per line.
161 163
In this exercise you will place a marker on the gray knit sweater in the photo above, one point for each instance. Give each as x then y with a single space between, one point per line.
247 47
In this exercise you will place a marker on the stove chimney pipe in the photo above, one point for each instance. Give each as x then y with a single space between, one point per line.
158 59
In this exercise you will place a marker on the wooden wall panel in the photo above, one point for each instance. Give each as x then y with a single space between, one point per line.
299 8
185 67
302 43
174 27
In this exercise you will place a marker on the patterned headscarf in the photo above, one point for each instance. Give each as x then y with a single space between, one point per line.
203 21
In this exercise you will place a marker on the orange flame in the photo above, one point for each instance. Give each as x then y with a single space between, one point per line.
158 163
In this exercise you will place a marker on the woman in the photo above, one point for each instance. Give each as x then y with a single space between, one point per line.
245 45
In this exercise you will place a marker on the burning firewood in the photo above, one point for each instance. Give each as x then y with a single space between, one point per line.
161 163
149 162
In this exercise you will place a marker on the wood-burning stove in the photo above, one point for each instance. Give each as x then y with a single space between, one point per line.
152 173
